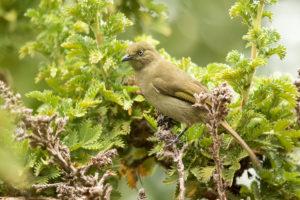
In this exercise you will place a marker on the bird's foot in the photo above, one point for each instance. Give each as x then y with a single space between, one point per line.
164 121
176 140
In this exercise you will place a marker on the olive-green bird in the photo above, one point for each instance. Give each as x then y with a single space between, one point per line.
171 90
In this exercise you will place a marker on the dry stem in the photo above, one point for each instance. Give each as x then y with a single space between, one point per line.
219 98
45 133
165 134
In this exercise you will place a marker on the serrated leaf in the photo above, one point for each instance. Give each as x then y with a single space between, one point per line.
95 56
290 133
214 68
194 132
151 120
155 149
80 26
282 124
228 174
89 134
203 173
119 143
51 172
286 142
110 95
38 167
41 180
93 90
290 175
170 179
71 140
139 98
46 97
76 112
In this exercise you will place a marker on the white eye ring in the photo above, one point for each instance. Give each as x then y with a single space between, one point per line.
140 52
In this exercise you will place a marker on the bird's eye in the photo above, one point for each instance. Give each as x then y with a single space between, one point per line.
140 52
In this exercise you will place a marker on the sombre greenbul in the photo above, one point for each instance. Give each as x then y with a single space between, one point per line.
171 90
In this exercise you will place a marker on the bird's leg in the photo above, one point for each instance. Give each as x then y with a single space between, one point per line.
178 137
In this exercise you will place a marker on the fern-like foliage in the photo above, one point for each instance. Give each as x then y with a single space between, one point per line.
88 83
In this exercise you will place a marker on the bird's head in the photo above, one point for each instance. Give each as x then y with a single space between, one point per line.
140 54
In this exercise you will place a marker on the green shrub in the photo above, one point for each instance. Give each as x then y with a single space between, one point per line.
90 85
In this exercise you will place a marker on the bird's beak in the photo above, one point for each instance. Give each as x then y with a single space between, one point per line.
126 58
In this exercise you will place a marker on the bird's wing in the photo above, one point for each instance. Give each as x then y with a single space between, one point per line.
184 91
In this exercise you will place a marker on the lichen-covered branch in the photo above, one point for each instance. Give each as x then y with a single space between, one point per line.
165 134
44 132
220 97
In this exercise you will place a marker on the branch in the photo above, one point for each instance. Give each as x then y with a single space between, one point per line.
96 30
256 25
220 97
165 134
79 184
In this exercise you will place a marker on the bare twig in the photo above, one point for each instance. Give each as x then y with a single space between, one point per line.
44 132
220 97
165 134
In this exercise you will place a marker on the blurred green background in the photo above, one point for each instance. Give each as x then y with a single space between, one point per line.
200 29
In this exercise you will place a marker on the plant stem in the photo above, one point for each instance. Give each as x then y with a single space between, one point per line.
96 29
256 26
163 133
180 169
220 98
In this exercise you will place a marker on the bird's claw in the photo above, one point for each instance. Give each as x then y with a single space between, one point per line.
164 121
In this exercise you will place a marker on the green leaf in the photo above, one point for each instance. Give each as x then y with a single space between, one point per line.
38 167
155 149
234 57
46 97
203 173
215 68
88 135
282 124
151 120
51 172
139 98
290 133
228 174
127 100
93 90
110 95
72 141
170 179
290 175
286 142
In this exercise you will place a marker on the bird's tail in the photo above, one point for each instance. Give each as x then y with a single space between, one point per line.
242 142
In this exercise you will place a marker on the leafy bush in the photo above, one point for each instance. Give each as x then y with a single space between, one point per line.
90 85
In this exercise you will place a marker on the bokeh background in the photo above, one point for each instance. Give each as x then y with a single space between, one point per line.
199 29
